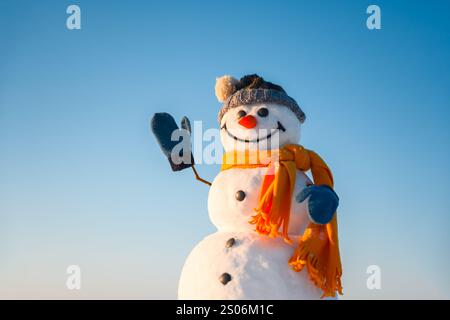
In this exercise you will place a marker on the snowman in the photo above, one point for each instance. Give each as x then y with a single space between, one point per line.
276 227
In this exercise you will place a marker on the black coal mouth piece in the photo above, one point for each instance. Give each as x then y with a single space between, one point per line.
279 127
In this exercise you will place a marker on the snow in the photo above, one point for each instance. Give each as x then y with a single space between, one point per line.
258 267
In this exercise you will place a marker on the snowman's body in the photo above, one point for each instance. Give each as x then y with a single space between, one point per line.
258 265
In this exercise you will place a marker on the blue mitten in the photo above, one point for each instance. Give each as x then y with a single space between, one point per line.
186 124
322 204
163 125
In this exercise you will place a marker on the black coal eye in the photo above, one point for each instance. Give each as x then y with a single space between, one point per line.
241 114
263 112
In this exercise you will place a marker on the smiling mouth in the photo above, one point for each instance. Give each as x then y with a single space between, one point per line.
278 128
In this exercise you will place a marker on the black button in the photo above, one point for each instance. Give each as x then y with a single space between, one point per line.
240 195
230 242
225 278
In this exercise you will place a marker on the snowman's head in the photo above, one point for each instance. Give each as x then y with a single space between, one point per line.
256 114
259 126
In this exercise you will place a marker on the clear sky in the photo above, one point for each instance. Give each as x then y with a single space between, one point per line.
83 182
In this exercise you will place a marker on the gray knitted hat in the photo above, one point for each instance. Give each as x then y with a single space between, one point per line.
252 89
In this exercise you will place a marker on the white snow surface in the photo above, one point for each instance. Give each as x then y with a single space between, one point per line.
258 267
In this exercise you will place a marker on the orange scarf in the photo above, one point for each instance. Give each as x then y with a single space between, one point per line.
318 247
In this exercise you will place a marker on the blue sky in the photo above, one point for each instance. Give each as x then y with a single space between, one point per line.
83 181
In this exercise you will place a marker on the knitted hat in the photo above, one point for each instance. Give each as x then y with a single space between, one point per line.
252 89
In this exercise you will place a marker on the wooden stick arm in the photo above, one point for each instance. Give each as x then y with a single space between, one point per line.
198 177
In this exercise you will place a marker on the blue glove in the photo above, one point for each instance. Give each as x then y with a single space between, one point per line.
163 125
322 204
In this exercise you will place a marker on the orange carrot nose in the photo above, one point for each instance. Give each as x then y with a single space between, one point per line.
248 122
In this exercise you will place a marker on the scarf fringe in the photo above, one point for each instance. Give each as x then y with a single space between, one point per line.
324 276
264 226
